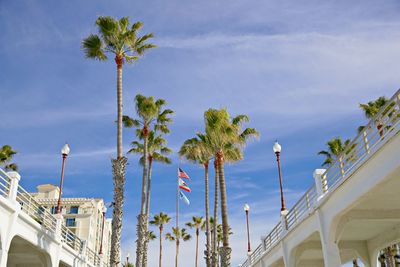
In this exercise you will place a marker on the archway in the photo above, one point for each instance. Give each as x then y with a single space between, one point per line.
23 254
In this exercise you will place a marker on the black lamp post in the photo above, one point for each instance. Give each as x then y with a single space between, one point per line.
64 151
246 209
277 149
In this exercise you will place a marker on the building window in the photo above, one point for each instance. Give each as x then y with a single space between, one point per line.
70 222
73 210
53 210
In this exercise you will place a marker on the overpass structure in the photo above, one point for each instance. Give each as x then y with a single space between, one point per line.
32 236
351 211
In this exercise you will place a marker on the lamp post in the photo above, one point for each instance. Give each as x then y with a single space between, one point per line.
277 149
246 209
102 230
64 151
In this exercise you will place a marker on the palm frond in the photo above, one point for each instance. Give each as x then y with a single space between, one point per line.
93 47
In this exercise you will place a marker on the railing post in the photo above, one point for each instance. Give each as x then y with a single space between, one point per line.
263 241
366 142
59 222
284 224
15 178
249 257
320 183
83 251
101 263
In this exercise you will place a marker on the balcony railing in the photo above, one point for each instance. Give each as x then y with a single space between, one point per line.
380 129
47 220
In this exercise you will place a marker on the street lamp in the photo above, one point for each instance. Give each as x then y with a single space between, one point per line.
277 150
64 151
102 230
246 209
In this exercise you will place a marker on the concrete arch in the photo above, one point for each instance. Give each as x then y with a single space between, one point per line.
309 252
22 252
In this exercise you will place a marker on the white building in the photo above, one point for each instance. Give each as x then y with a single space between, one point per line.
83 216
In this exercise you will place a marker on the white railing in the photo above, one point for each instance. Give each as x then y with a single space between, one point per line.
373 136
47 220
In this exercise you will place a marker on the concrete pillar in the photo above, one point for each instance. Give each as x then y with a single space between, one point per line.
3 257
320 183
330 249
15 178
284 225
59 223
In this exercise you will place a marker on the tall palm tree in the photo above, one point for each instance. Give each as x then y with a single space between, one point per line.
150 115
160 220
6 155
196 224
177 235
227 140
119 38
197 150
215 218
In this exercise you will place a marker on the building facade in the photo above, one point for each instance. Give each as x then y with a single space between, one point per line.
83 216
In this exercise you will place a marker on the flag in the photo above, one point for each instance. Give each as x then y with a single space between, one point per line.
182 174
184 186
184 198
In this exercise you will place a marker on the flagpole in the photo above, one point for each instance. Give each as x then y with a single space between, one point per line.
177 201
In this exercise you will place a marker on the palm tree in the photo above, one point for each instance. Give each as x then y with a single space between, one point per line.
118 38
220 235
177 235
151 235
196 224
373 107
160 220
128 264
227 140
6 155
150 115
335 149
198 151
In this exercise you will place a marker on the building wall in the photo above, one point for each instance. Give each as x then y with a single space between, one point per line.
83 216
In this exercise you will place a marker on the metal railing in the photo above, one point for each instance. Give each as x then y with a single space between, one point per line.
47 220
5 184
380 129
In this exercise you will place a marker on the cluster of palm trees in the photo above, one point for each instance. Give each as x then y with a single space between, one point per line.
6 155
222 141
176 235
337 147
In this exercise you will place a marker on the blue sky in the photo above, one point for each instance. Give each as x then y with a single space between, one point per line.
299 69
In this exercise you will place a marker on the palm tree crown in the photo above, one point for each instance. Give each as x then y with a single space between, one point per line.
178 234
160 219
6 155
119 38
335 148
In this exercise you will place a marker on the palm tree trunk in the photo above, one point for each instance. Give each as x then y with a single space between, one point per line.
118 166
215 223
160 259
225 251
177 252
197 247
142 217
208 237
149 185
146 239
119 61
118 169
